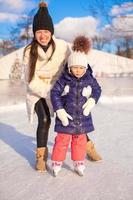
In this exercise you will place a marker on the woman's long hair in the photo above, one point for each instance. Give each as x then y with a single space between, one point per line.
34 56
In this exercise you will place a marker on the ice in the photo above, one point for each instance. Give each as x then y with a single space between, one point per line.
111 179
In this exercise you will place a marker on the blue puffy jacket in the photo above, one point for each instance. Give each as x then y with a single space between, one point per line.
73 101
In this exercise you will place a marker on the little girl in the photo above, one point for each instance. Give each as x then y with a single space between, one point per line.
73 96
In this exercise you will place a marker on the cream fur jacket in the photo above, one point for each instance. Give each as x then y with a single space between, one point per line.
46 73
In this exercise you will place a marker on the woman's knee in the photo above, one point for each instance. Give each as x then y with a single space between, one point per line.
44 122
47 120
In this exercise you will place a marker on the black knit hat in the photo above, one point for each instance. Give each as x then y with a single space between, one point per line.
42 19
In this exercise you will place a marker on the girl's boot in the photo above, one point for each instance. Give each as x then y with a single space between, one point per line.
56 166
79 167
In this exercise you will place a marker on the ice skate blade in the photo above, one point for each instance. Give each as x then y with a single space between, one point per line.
55 173
79 173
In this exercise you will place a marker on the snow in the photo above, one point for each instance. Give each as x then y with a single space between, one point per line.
110 179
102 63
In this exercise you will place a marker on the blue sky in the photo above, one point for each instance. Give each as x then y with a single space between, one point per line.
10 10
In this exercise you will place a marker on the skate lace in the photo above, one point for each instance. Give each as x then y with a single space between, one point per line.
58 164
79 163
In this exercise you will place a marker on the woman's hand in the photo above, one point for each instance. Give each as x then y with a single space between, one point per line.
41 77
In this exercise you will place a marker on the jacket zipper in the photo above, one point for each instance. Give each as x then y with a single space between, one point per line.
77 103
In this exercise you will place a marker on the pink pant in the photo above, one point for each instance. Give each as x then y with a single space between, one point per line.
78 147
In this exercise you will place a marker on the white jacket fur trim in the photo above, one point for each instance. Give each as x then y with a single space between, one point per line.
50 70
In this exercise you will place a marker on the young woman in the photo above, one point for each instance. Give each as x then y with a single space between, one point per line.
44 59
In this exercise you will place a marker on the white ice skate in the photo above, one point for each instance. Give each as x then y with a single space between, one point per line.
56 165
79 167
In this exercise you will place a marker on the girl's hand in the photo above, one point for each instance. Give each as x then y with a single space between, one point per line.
87 107
63 116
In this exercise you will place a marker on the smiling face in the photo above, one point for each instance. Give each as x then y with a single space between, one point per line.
78 71
43 37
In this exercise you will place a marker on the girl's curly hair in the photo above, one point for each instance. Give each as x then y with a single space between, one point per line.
82 44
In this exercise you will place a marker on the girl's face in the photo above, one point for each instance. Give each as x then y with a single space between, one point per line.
43 37
78 71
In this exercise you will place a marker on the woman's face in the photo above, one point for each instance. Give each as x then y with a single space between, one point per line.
43 37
